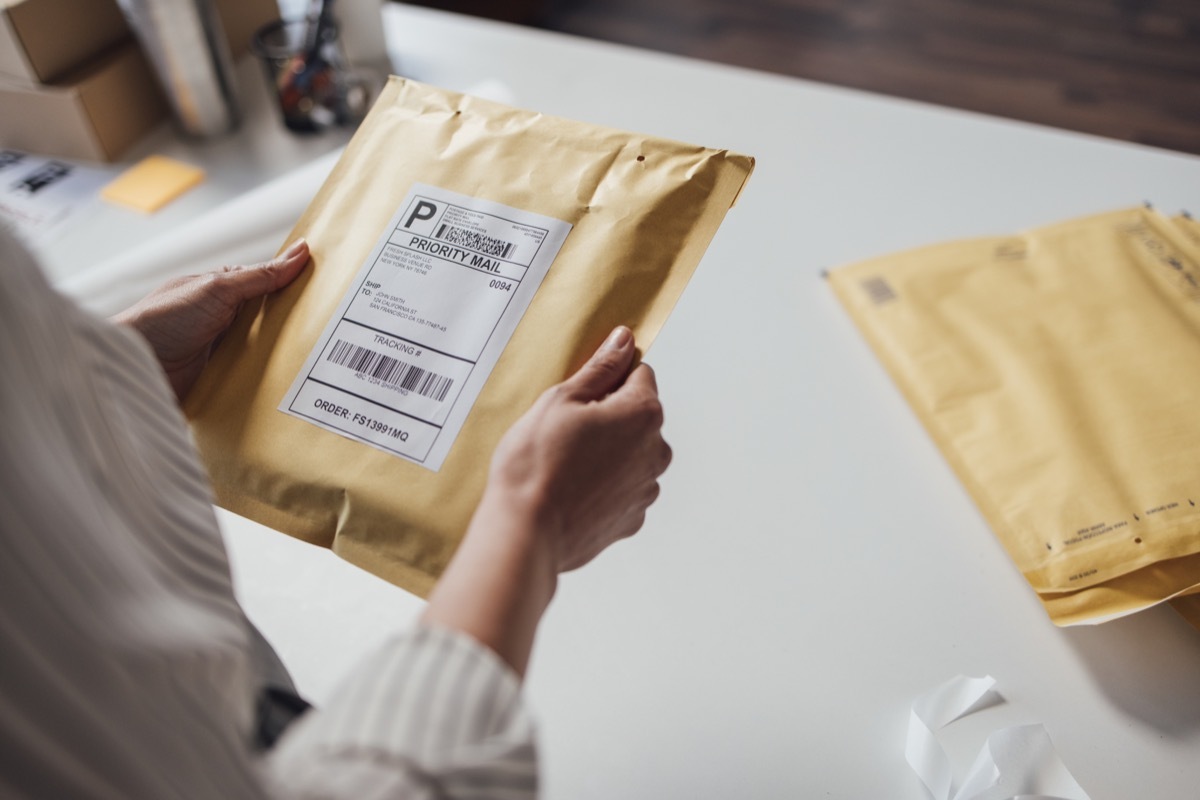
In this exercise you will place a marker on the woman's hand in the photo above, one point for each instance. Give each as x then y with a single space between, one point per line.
573 475
585 460
184 319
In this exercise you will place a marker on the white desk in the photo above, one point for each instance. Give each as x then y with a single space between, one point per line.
813 564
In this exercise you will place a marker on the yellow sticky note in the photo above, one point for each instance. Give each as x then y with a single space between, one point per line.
152 183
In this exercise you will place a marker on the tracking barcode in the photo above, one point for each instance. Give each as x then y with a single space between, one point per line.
391 371
486 245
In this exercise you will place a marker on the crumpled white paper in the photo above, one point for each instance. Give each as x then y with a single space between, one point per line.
1018 763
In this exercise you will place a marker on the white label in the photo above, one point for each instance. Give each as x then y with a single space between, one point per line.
412 343
38 195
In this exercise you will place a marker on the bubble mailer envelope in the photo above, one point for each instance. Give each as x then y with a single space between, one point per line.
1059 373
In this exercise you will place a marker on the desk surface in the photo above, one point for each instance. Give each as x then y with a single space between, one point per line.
813 564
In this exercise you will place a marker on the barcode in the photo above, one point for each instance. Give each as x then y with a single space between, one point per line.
879 290
475 241
391 371
10 157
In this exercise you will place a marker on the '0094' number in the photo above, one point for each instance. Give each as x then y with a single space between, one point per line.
502 285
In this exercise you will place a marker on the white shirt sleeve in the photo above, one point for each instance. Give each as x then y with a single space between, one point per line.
126 669
432 715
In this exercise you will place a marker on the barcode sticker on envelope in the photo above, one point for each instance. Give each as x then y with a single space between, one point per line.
416 336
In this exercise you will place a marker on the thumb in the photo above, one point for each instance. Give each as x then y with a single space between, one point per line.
606 369
247 283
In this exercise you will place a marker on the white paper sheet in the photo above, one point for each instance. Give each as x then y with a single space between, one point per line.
1017 763
38 195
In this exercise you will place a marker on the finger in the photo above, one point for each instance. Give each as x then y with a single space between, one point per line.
643 378
247 283
606 369
639 394
665 455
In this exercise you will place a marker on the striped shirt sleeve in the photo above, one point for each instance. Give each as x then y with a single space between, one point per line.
127 667
433 714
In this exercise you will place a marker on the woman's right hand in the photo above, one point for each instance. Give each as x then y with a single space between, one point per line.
573 475
586 458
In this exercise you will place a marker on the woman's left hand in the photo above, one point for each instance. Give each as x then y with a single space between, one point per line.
184 319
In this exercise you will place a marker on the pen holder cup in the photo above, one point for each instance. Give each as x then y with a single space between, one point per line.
309 76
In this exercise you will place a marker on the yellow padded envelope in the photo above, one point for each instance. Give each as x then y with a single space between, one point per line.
390 282
1059 373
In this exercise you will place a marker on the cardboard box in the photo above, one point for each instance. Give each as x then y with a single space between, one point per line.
94 113
41 40
73 81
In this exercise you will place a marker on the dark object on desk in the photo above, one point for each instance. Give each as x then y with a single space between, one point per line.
48 175
309 74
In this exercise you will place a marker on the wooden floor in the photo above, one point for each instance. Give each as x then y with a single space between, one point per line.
1126 69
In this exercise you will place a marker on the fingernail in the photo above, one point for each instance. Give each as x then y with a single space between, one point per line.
295 248
618 339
